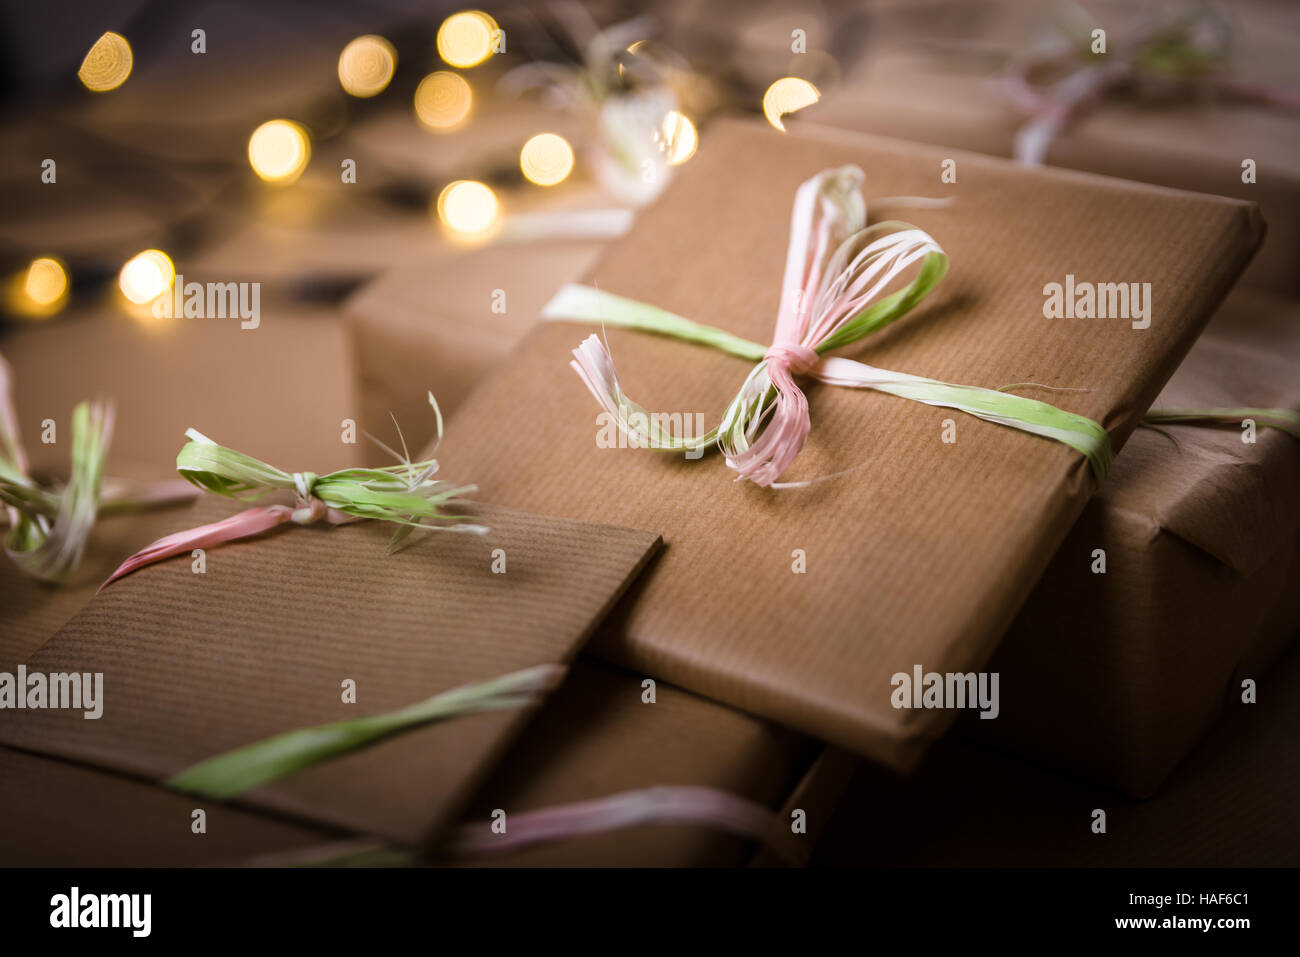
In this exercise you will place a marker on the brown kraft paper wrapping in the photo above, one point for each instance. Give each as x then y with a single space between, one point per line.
196 665
436 325
924 554
1201 533
63 814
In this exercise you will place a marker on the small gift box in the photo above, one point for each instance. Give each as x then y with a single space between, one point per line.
1181 579
226 671
804 605
952 77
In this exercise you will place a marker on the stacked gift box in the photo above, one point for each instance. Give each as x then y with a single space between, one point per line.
723 657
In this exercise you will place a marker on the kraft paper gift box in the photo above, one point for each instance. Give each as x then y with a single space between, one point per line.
261 643
1118 675
924 554
934 74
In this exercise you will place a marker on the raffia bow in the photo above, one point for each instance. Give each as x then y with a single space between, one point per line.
834 293
406 495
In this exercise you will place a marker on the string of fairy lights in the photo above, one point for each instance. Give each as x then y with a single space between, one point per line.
280 150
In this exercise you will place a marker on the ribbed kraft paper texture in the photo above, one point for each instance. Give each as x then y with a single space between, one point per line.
924 554
195 665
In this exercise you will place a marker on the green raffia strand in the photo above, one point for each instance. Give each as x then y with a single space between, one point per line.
402 494
575 303
49 535
1284 420
587 304
255 764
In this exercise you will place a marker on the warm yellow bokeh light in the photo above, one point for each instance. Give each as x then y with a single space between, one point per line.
465 39
366 65
108 63
546 159
786 95
147 276
279 150
47 282
443 101
469 209
678 138
38 291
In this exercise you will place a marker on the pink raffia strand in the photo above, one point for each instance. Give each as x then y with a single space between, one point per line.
707 807
252 521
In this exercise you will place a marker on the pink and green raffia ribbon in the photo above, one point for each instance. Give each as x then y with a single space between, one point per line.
833 294
49 526
406 495
263 761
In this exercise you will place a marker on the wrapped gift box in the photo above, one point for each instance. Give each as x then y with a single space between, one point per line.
1118 675
1196 526
195 665
923 555
934 75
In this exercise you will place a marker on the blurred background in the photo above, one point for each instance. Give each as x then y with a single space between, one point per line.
376 166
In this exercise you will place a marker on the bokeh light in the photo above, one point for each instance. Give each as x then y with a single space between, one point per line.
46 283
469 209
465 38
38 291
279 151
366 65
443 101
147 276
678 138
107 64
546 159
786 95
